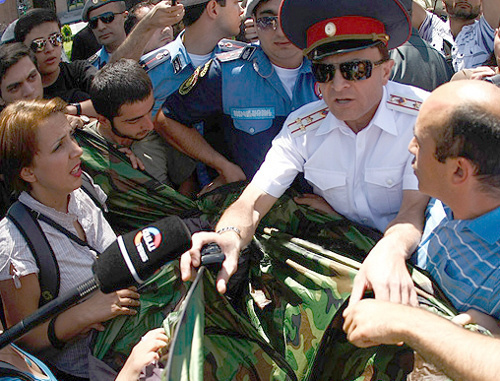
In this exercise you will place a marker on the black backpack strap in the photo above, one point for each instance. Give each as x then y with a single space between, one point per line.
9 370
89 188
48 276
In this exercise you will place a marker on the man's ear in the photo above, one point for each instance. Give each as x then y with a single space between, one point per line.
463 170
387 68
104 121
27 174
212 9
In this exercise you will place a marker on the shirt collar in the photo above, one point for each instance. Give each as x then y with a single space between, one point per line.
57 216
178 51
486 226
382 119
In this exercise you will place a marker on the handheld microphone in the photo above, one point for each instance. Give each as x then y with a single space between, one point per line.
130 260
135 256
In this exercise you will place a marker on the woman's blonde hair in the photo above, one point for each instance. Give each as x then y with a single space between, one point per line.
19 124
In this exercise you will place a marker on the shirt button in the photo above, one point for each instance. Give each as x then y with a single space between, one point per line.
252 130
389 182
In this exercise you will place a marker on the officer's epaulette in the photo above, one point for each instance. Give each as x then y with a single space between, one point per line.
198 73
227 45
93 58
244 54
309 122
151 62
404 104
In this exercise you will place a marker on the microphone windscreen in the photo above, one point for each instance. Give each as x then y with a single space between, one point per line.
135 256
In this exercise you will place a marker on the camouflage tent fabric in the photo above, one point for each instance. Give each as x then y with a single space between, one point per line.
287 325
135 198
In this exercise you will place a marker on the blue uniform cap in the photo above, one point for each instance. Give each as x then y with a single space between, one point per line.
90 5
326 27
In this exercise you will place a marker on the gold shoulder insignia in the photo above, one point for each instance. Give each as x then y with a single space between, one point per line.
198 73
189 83
404 104
307 123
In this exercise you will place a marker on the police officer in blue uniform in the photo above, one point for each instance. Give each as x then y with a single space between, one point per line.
106 18
207 23
249 91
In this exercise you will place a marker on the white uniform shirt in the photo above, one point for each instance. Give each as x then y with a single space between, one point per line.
472 47
362 175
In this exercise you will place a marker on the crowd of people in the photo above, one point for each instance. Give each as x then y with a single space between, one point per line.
387 115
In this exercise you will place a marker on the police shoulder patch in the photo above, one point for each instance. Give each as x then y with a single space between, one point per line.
153 61
309 122
93 58
404 104
244 53
227 45
191 82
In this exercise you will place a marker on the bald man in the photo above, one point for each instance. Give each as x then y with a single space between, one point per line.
457 160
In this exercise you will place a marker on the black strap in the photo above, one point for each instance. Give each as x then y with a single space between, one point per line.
62 229
88 187
49 276
9 370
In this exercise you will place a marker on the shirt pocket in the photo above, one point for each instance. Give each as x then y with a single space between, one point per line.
252 127
331 185
384 189
253 120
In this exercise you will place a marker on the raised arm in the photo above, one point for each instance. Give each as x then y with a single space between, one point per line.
162 15
384 269
236 228
190 141
418 15
461 354
491 12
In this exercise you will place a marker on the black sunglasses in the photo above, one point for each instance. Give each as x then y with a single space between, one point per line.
38 44
358 70
106 18
267 22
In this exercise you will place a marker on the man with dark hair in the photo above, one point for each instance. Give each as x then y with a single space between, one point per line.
351 145
206 23
122 94
457 160
250 92
40 30
106 18
19 77
466 39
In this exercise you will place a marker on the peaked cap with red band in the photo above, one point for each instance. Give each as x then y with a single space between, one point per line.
325 27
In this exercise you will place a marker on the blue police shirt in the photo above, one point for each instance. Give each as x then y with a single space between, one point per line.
100 58
169 66
247 98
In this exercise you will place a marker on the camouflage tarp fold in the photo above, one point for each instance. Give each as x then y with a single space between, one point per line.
135 198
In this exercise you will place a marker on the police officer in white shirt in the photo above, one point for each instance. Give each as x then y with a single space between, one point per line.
351 146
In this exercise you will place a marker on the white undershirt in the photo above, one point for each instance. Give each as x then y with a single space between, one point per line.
288 78
199 60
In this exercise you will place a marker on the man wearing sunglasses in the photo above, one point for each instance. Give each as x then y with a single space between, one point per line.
351 145
106 18
40 30
250 92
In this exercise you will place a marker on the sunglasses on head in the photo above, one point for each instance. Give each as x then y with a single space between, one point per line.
106 18
38 44
267 22
358 70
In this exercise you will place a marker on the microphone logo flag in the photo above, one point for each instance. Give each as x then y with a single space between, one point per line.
151 238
